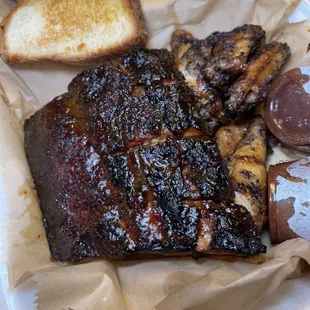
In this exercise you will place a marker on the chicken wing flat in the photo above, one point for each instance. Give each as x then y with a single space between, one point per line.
230 135
251 87
231 52
190 56
248 172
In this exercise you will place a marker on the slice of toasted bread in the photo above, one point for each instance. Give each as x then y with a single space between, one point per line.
71 30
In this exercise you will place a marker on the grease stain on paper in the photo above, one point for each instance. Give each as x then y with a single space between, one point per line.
35 229
176 280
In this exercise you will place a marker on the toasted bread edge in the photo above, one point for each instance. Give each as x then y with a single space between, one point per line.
138 39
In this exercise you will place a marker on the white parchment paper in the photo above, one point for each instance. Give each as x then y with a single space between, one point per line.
180 283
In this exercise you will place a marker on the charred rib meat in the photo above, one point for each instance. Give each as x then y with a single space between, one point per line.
122 165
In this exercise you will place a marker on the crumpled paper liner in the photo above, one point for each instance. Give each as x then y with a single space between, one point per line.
166 284
297 36
241 287
179 283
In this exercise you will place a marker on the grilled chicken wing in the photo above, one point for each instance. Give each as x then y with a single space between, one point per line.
231 52
190 55
229 136
248 172
251 87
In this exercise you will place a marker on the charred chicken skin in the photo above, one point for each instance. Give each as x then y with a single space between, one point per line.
251 87
231 52
123 165
191 56
246 157
230 72
230 135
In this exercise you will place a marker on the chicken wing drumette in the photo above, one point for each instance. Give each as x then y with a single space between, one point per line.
251 87
191 55
231 53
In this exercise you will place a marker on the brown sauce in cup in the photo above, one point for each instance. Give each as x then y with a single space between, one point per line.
287 109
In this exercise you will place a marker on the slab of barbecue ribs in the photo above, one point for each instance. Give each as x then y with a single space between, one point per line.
122 164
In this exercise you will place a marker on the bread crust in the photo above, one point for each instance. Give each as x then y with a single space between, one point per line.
137 39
